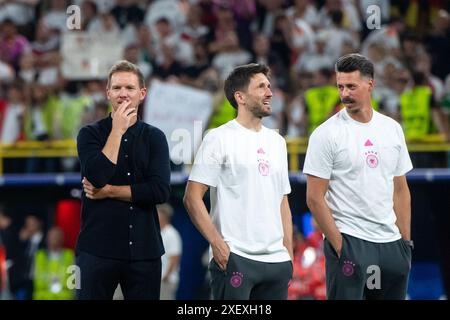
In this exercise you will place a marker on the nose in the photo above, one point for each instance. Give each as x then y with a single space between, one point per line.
345 93
269 92
123 92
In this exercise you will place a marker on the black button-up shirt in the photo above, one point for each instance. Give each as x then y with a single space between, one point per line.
118 229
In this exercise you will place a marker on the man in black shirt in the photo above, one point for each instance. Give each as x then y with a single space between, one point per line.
126 172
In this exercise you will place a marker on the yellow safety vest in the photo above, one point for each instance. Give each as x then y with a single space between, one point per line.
50 276
222 115
320 102
415 112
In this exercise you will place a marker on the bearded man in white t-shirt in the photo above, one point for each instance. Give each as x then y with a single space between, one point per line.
244 164
357 191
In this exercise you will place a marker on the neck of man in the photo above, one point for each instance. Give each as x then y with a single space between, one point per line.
248 120
363 115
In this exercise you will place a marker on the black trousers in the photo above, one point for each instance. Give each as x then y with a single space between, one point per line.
367 270
139 280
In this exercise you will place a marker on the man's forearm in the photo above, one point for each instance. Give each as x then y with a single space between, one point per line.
402 209
325 220
112 146
286 219
122 193
202 221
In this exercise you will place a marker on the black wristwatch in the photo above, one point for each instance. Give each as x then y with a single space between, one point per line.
410 243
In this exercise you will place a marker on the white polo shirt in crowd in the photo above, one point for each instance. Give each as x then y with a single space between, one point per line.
360 160
247 173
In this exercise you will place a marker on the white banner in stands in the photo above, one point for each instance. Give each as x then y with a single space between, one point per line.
182 113
89 56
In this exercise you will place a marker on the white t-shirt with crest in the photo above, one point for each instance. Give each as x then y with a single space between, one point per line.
360 160
247 172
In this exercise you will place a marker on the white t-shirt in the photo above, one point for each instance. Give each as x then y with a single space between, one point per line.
248 175
360 160
172 245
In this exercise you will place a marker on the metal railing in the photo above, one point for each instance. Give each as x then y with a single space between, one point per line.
295 147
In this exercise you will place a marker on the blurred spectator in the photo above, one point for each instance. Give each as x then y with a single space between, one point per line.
395 81
46 40
303 10
167 9
295 112
224 26
132 54
319 59
388 36
194 28
282 43
244 12
32 236
167 40
11 120
12 44
9 235
438 44
127 11
50 269
420 111
97 112
6 72
55 18
20 12
422 64
170 261
90 14
230 55
322 100
200 74
351 19
105 25
336 35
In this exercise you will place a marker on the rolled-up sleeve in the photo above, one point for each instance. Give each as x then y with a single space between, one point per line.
156 188
95 166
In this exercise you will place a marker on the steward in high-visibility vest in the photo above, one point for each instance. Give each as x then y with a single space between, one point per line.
320 104
223 113
52 276
415 107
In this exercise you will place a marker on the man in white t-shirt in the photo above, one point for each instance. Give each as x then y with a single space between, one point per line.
244 164
357 191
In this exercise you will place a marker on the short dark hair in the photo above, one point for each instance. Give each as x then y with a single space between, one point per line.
355 62
126 66
239 79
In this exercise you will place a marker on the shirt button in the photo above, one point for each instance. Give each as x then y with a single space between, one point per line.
131 226
126 156
125 140
131 208
131 243
128 173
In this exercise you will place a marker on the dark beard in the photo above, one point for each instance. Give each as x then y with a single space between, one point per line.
258 112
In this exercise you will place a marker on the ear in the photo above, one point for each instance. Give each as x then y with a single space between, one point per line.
239 96
142 94
371 83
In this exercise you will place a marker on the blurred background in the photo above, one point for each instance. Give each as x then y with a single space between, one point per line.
54 59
